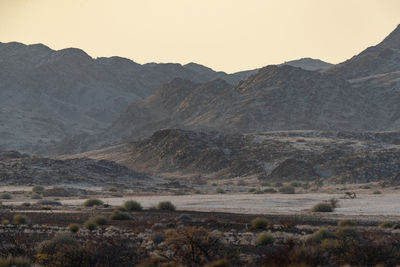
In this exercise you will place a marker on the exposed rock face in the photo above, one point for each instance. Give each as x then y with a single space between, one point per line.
382 58
48 95
21 169
273 156
276 98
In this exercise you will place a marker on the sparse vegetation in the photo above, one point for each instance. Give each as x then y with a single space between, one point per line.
287 189
322 207
5 196
259 223
269 190
11 261
343 223
100 220
257 192
120 215
166 205
36 196
38 189
295 184
377 192
264 239
20 219
93 202
321 235
347 232
90 225
49 203
132 205
220 191
73 228
386 225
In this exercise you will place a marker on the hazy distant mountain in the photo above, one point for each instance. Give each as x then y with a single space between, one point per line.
382 58
47 95
308 64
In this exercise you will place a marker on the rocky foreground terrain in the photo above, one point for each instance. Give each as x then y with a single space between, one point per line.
343 157
156 238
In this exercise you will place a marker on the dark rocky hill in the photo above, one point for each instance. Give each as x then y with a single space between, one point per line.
272 156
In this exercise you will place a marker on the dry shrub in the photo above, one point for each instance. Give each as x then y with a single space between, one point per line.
191 246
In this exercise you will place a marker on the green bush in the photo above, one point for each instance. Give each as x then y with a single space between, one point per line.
264 239
38 189
220 191
5 196
90 225
270 190
343 223
57 244
120 215
259 223
11 261
20 219
121 208
295 184
287 189
166 205
347 232
36 196
49 203
322 207
133 205
74 228
100 220
93 202
386 225
321 235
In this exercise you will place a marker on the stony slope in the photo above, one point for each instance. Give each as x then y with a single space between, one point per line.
272 156
382 58
276 98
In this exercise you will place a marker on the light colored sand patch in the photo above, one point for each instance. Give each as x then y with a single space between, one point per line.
388 204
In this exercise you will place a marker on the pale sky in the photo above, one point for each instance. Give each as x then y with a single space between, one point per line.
227 35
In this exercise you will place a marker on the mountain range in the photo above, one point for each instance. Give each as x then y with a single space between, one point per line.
56 102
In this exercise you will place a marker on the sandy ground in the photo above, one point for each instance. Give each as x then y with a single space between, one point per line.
365 204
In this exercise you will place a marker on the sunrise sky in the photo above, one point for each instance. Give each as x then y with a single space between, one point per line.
228 35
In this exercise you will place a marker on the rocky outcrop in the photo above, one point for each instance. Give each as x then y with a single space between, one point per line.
21 169
272 156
